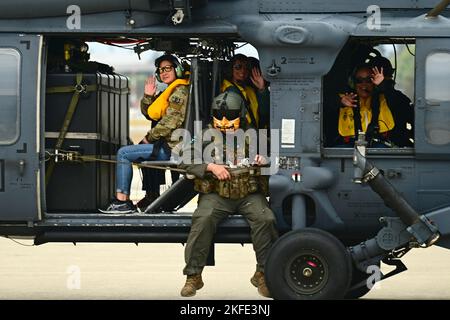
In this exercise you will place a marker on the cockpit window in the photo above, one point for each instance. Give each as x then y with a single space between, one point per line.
9 95
437 71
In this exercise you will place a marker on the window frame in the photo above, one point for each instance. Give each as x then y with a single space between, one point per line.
447 52
432 104
398 152
17 54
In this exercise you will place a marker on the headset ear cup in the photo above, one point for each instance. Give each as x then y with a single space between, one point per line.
351 78
179 71
351 82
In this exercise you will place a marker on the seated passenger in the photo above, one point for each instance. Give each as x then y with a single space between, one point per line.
168 110
225 191
367 110
401 107
253 89
153 178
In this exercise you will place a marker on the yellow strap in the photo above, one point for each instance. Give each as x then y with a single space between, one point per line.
158 108
249 94
346 125
65 89
66 123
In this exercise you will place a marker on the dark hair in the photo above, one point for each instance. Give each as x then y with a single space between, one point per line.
179 70
228 73
382 62
237 57
253 63
167 57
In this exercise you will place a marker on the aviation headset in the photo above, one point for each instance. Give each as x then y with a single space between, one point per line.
379 61
179 70
376 60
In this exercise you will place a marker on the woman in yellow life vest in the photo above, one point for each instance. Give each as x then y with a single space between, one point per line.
249 83
366 110
167 112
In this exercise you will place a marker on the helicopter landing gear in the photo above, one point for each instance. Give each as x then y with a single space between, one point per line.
308 264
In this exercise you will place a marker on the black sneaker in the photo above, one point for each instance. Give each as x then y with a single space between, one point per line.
121 207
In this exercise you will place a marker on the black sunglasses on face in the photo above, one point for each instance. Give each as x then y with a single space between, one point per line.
363 80
165 69
239 66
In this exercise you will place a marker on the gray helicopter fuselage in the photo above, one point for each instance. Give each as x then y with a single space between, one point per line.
298 43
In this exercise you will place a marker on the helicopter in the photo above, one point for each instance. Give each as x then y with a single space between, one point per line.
338 210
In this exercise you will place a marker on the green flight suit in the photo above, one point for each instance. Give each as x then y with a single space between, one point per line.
212 208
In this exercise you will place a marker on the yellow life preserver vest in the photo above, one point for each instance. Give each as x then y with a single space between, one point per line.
346 124
249 94
158 108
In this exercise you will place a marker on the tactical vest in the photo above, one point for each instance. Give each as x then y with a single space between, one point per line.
243 182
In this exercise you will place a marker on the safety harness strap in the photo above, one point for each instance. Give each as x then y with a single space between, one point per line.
77 90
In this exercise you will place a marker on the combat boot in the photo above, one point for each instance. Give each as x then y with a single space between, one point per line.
193 283
259 282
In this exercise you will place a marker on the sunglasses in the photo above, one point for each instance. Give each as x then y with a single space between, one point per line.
164 69
363 80
239 66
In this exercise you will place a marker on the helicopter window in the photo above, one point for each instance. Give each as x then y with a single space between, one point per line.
437 70
397 55
437 94
9 95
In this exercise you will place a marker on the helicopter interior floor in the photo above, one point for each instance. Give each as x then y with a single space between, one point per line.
167 220
115 215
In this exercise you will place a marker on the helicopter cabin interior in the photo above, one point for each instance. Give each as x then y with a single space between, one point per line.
82 179
99 125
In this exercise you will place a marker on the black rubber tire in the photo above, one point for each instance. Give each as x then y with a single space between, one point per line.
308 264
358 276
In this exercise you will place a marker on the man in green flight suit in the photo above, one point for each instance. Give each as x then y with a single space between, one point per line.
224 190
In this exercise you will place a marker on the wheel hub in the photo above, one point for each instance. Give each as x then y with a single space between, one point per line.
307 273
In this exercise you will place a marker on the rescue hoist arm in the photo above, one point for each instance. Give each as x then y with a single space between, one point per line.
441 6
408 230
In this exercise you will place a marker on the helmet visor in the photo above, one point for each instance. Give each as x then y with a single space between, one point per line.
226 113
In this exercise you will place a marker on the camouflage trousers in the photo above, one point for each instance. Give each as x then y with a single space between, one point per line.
211 209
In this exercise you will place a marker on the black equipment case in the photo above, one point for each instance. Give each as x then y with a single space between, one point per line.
98 128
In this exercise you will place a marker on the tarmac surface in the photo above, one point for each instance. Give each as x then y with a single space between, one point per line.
154 271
